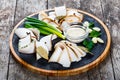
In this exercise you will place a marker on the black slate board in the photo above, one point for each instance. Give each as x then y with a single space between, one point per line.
43 64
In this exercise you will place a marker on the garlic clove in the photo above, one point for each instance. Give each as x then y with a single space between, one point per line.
94 39
86 24
89 30
96 29
100 40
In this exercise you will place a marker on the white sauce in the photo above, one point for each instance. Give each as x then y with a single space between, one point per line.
75 32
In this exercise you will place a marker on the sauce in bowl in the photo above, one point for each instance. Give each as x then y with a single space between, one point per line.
76 34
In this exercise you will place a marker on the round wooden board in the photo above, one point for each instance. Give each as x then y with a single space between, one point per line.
69 71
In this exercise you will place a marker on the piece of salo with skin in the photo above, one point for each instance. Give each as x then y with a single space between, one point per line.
54 24
54 36
72 55
38 44
64 25
24 41
51 13
28 49
41 50
76 52
71 12
56 54
81 52
36 32
60 44
60 12
23 32
47 40
47 20
72 19
64 59
42 15
76 13
52 17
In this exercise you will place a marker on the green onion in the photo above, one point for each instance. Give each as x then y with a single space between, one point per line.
54 32
36 21
41 31
45 28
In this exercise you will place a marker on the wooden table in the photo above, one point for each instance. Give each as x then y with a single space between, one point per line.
12 11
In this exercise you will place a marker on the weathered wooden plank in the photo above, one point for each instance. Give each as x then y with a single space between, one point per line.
106 72
105 68
67 3
82 76
92 7
70 4
111 10
18 72
7 9
23 9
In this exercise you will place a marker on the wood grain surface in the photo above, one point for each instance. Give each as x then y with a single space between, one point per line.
12 11
67 72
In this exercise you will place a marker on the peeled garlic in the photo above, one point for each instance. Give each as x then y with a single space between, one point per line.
86 24
96 29
100 40
94 39
89 30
